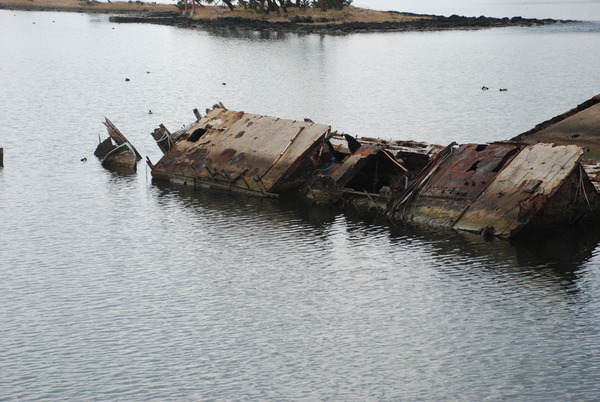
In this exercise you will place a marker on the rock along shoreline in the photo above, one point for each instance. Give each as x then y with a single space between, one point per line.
428 23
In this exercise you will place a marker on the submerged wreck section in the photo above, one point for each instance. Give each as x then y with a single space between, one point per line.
116 152
366 172
242 151
282 158
578 126
500 189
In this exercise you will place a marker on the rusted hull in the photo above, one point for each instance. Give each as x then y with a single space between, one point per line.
246 152
501 189
578 126
498 189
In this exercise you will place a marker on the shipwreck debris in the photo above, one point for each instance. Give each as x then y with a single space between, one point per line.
241 151
578 126
284 158
498 189
118 155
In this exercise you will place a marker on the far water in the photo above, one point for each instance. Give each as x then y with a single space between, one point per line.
113 287
585 10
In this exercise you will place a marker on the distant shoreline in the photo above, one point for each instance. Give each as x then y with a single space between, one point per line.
431 23
349 20
84 6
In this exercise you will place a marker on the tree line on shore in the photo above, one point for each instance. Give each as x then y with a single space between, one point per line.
266 6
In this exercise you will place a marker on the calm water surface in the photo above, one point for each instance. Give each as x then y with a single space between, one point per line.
585 10
113 287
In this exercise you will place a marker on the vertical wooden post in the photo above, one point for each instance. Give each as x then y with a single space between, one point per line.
1 157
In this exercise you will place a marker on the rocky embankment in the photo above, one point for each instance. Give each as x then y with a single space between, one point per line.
309 25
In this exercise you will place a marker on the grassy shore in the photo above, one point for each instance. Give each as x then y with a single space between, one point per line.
348 14
350 19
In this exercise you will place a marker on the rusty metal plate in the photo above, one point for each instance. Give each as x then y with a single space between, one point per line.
469 170
243 150
522 189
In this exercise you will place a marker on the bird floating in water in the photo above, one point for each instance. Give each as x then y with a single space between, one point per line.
127 79
84 159
149 111
503 89
484 88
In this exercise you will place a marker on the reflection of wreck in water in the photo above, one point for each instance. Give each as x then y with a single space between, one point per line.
544 258
498 189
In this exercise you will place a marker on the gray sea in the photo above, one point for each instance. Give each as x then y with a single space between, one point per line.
113 287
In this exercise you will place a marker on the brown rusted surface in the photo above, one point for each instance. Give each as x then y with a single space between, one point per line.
333 178
164 139
244 151
578 126
525 188
500 189
460 177
366 166
272 156
343 172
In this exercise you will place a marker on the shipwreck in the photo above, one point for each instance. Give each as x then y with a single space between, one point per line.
579 126
116 152
276 157
498 189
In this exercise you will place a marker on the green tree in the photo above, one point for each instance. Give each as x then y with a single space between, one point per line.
324 5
